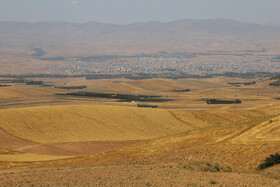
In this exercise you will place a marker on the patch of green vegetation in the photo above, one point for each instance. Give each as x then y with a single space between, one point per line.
20 80
272 160
203 99
71 87
213 182
185 90
120 97
276 83
147 106
220 101
241 83
38 52
34 82
5 85
47 85
275 77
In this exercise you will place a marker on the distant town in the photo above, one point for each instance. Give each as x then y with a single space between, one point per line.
165 64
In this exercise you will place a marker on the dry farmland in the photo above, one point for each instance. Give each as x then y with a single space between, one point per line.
47 133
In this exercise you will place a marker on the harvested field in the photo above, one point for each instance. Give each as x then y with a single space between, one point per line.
182 142
267 131
89 123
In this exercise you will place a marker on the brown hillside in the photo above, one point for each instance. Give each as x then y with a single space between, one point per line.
267 131
89 123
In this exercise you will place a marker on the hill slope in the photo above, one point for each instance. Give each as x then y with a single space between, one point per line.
89 123
267 131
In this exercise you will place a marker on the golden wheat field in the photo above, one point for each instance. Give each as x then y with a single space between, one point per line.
44 130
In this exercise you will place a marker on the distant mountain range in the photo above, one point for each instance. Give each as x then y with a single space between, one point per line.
74 39
273 24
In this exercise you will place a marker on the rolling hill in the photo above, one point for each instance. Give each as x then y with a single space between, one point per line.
69 130
89 123
158 141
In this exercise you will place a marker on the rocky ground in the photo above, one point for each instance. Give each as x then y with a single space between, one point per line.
131 175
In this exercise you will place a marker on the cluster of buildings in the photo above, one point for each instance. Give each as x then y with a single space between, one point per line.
247 64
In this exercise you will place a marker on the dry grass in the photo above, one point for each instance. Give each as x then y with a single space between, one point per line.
5 151
28 157
267 131
212 144
184 131
89 123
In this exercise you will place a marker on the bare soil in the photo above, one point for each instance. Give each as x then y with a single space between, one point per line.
142 175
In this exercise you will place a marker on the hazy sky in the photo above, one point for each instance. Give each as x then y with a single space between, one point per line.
131 11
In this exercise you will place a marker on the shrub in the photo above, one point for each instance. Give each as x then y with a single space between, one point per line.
213 182
270 161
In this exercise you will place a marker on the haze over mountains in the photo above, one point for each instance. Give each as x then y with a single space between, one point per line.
73 39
